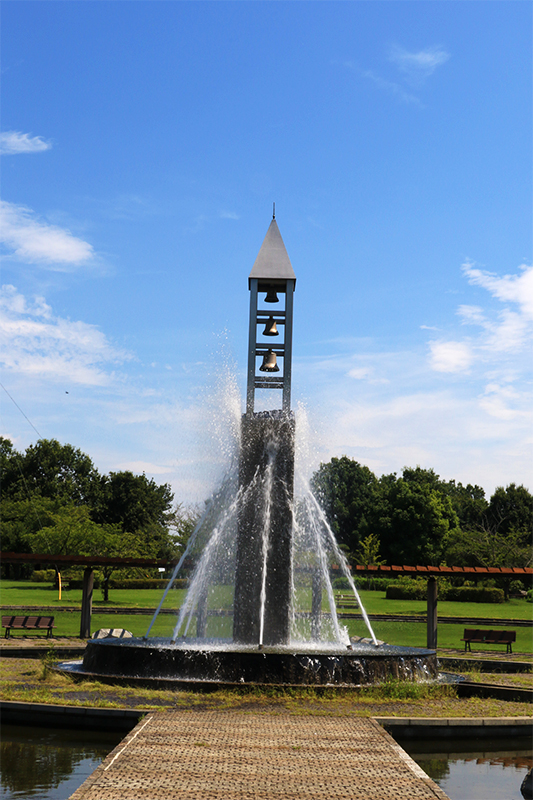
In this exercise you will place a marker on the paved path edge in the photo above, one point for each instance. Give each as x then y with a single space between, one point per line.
16 712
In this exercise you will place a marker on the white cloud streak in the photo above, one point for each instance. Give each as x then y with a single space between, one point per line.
37 242
37 344
501 334
516 288
15 142
418 66
391 87
450 356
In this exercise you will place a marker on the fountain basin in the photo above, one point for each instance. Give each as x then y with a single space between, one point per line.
200 662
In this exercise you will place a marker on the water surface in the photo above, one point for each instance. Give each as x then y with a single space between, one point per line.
49 764
475 769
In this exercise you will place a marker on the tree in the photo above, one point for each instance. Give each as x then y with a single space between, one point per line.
499 537
19 519
49 469
414 517
140 506
511 510
73 532
468 502
411 516
346 491
368 551
54 479
182 522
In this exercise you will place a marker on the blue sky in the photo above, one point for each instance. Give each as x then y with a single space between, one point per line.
143 145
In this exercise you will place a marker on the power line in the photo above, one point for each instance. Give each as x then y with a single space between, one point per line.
21 411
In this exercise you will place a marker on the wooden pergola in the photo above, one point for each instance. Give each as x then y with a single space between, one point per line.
431 573
89 562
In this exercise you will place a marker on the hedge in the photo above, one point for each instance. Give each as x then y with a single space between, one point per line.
407 591
369 583
415 590
131 583
43 575
475 594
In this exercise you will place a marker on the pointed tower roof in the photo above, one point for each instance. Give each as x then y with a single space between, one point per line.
272 262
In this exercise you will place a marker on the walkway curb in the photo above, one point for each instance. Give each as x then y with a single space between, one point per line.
92 718
85 718
452 727
482 664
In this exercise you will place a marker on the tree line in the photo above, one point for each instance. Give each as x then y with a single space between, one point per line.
417 518
55 501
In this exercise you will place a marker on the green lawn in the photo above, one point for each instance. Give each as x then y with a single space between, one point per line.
33 596
25 593
376 603
413 634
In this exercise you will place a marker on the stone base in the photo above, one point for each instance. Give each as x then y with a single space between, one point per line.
200 662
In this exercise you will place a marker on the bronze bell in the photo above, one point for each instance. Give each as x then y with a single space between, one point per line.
272 296
270 328
269 363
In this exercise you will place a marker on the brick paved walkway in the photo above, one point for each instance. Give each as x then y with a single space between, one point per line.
217 755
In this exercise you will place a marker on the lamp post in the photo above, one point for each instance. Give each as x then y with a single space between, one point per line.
266 467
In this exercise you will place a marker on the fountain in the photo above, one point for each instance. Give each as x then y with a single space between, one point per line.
260 607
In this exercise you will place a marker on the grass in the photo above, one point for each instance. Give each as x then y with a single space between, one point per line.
413 634
26 593
376 603
27 680
33 596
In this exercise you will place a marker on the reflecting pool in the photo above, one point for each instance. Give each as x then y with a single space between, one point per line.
49 764
475 769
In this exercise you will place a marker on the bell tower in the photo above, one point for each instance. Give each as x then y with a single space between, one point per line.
272 281
263 571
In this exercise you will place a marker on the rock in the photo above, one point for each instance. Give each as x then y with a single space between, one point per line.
527 786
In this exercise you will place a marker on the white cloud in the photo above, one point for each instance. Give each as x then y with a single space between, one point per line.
229 215
516 288
38 344
359 373
388 86
418 66
502 402
138 467
14 142
503 334
34 241
450 356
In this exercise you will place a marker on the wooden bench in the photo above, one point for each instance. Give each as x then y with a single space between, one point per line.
480 636
346 601
36 623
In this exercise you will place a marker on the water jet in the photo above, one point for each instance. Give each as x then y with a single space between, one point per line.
260 607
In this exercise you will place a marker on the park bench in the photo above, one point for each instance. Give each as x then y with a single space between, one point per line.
347 601
477 636
28 623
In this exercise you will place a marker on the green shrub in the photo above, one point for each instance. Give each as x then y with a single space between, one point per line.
43 576
475 594
341 584
529 596
407 590
417 590
366 583
131 583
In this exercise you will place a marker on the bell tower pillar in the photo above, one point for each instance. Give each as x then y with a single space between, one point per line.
263 573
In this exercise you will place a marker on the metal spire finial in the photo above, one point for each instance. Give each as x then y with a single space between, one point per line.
273 211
